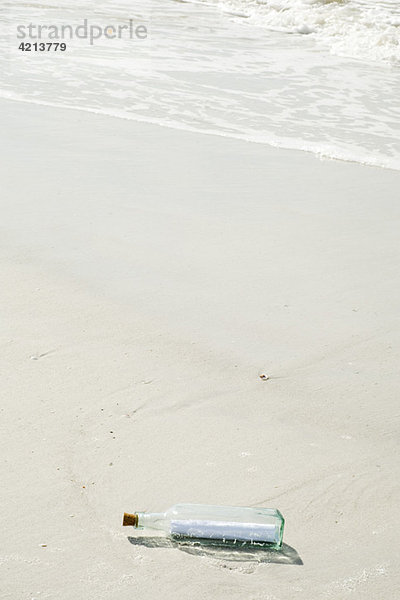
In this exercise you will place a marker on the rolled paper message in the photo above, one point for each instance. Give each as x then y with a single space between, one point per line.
214 530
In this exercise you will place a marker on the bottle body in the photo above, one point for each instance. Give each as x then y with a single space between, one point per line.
225 524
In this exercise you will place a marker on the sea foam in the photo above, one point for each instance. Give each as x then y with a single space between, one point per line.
368 30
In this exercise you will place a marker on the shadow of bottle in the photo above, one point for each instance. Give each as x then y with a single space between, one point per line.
286 555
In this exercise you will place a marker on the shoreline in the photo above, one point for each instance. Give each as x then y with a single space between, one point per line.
150 276
319 152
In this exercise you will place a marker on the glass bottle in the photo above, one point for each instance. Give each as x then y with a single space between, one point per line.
237 525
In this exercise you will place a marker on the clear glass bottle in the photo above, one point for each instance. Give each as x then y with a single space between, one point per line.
233 525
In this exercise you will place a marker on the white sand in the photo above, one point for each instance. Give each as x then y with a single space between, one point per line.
149 276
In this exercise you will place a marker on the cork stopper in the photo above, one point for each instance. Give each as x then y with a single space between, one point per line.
130 519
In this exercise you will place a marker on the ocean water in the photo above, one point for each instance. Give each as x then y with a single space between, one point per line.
319 76
362 29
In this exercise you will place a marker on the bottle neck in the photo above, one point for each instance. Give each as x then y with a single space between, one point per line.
151 520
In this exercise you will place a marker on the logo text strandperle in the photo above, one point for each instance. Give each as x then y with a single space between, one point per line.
86 30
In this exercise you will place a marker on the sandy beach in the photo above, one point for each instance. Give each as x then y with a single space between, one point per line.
149 277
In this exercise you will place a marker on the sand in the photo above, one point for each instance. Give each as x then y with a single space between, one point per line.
149 277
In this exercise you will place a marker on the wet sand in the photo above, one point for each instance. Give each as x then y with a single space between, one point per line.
149 277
